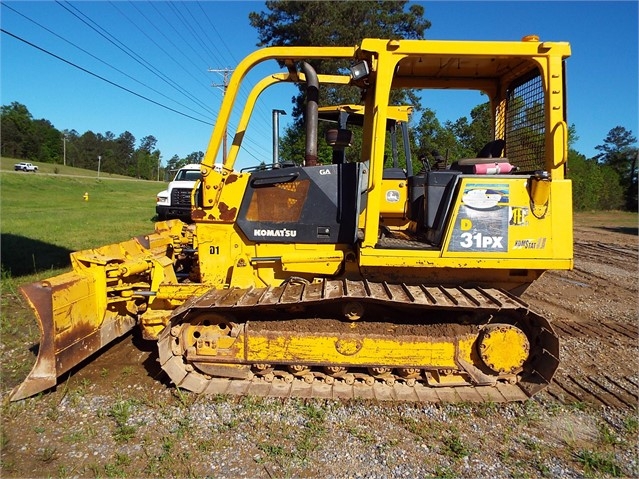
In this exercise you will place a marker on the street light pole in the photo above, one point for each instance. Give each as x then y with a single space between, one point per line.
276 134
99 161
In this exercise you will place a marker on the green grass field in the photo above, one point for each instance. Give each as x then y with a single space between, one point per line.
45 217
62 170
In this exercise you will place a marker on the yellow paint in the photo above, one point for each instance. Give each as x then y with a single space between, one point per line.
503 348
313 348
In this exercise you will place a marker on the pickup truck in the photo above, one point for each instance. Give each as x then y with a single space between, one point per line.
22 166
175 201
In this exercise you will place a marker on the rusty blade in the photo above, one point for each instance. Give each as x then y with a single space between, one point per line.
43 375
73 325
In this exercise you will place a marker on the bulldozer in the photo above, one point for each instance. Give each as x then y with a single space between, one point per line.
358 278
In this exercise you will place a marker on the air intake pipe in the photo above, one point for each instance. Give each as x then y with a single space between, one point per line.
312 98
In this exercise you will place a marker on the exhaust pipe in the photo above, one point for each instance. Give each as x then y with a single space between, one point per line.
312 99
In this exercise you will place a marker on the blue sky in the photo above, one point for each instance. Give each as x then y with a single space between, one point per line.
164 51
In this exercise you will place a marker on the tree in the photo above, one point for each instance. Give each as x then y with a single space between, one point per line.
124 150
195 157
48 141
148 143
474 135
619 151
595 186
15 124
338 23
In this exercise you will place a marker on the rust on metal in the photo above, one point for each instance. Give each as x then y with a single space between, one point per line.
66 338
226 213
43 375
197 214
232 178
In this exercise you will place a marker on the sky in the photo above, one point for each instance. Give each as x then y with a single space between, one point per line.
156 68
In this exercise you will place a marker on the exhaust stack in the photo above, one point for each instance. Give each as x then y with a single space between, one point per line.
312 98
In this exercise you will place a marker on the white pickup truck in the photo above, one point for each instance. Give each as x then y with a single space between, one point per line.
175 201
22 166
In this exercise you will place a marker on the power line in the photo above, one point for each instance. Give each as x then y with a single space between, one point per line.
101 78
191 26
150 22
235 60
130 53
99 59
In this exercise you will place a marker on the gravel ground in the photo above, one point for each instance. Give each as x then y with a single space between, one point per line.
118 417
159 433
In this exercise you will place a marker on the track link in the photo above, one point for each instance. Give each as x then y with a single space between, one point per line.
256 306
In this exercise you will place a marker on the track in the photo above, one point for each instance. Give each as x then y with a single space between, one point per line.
581 385
378 391
235 317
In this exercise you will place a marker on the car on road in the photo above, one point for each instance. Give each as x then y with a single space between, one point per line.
23 166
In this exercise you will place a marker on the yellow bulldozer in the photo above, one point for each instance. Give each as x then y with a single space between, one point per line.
358 278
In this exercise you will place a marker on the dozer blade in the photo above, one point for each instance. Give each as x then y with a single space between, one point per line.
74 324
81 311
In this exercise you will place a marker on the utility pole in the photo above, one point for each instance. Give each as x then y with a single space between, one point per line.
226 74
64 149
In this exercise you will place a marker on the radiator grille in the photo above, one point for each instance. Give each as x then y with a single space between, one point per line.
180 197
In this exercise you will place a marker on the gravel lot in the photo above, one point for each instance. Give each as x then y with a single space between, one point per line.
118 417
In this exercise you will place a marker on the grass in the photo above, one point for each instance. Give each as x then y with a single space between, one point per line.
44 218
121 412
595 462
620 221
62 170
455 445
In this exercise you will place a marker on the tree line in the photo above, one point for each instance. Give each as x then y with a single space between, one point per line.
37 140
607 181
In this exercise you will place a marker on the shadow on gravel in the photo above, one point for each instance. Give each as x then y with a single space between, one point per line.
151 364
21 256
628 230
